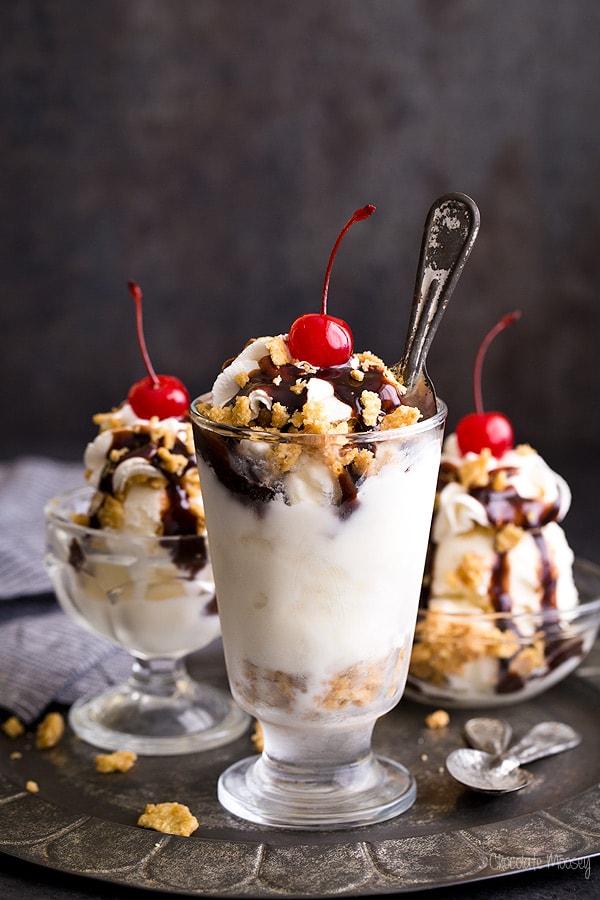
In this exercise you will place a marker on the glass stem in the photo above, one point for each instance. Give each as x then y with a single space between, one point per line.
304 748
157 677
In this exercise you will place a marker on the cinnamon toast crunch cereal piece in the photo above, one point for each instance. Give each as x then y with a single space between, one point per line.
169 818
49 731
13 727
119 761
439 718
257 737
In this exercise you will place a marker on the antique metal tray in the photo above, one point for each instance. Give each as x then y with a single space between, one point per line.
85 823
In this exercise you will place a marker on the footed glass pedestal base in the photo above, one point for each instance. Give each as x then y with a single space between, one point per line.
370 790
159 713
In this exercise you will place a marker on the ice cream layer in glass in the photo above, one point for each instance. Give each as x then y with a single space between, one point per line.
318 485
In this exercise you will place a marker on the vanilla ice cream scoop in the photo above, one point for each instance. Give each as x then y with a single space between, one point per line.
145 475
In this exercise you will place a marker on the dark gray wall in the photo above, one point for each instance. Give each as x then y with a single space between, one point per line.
212 150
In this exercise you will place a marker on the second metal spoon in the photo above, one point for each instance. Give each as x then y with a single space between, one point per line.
491 774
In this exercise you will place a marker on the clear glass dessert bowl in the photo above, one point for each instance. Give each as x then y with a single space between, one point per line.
496 659
154 597
317 612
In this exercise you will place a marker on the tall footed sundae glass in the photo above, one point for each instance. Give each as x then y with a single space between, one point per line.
318 473
318 543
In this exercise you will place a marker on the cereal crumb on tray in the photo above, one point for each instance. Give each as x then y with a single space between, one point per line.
13 727
437 719
169 818
119 761
49 731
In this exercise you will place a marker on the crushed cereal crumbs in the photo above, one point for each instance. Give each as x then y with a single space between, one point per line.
371 405
278 349
169 818
472 573
49 731
444 647
474 472
499 480
437 719
257 737
13 727
241 412
357 685
119 761
508 538
525 450
528 659
400 417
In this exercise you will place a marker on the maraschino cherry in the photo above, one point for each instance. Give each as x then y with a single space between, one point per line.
482 429
155 395
318 338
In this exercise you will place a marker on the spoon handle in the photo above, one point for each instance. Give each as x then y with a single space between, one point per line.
544 739
449 233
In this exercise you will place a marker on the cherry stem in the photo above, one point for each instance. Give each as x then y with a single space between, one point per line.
136 293
363 213
504 322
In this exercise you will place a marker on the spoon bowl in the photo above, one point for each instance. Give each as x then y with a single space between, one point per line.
474 769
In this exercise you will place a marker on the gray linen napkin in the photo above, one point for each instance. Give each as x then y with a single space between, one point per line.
25 486
44 656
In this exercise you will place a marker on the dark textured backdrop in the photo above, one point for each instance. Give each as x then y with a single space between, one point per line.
212 151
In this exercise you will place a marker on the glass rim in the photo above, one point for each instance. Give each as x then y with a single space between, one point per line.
241 432
62 518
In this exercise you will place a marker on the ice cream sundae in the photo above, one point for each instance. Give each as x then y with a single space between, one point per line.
499 585
142 463
318 483
143 485
128 558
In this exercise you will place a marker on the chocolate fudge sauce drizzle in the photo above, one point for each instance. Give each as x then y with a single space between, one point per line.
345 387
177 518
505 507
248 479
